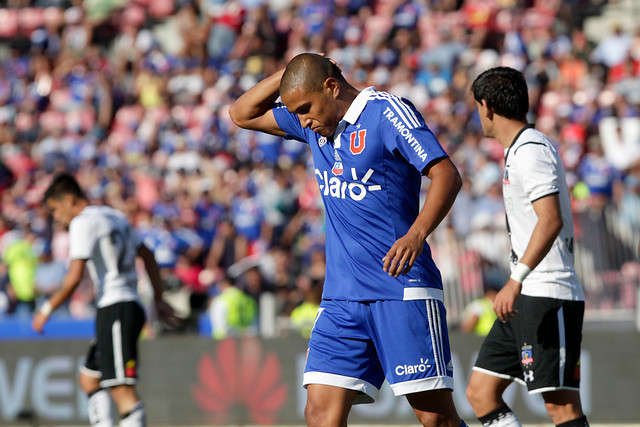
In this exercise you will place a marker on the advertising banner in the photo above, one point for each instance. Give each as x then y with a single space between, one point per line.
198 381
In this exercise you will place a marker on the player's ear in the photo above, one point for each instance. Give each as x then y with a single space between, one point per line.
332 85
488 109
69 200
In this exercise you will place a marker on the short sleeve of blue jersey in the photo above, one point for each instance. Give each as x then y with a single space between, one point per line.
289 123
403 128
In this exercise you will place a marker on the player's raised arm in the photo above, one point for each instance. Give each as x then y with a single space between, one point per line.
253 109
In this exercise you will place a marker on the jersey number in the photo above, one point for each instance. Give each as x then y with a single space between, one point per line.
569 243
125 257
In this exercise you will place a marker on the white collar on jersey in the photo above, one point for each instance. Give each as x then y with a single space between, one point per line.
352 114
358 104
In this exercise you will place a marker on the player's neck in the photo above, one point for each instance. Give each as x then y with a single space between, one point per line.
347 95
506 131
79 206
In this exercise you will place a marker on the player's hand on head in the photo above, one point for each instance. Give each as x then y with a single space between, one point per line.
505 300
333 61
402 255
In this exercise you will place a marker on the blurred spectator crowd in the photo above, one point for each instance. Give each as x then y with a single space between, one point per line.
132 97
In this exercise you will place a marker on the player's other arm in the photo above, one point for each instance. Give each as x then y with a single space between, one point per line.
252 110
445 185
163 309
544 234
69 284
469 321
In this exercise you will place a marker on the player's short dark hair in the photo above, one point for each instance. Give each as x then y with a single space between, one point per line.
61 185
309 71
505 91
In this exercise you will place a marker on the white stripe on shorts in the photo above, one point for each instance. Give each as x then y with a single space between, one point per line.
90 372
436 307
562 346
423 293
342 381
435 332
424 384
113 383
441 353
116 333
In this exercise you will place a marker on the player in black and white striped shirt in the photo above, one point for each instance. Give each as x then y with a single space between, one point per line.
536 339
102 239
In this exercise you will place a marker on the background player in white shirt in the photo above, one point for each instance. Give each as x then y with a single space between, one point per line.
536 339
102 239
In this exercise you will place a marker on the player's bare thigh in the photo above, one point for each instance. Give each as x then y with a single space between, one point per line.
328 406
435 408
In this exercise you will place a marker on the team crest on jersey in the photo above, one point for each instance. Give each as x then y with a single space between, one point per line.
527 355
505 179
337 168
322 141
357 141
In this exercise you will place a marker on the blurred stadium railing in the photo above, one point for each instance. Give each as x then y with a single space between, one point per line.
606 262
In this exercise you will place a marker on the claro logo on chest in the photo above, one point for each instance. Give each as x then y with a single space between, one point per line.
340 189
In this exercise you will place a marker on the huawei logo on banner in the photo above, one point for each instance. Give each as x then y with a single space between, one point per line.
240 377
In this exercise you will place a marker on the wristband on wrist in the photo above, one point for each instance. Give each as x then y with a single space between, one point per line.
520 272
46 309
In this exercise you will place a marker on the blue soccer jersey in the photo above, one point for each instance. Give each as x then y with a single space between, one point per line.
369 174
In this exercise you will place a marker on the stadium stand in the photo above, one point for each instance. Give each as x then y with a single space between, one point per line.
132 95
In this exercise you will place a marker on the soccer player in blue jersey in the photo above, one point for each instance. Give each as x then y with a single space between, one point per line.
382 313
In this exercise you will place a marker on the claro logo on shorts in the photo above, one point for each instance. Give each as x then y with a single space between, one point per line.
341 189
412 369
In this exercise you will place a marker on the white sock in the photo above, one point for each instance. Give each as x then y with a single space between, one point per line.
135 418
509 420
501 417
99 408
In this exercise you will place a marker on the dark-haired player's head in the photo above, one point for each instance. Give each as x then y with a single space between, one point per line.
505 92
63 184
65 198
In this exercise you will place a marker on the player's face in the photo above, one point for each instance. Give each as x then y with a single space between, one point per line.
316 110
61 209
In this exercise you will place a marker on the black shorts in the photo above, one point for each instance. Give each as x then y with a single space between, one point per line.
113 356
539 347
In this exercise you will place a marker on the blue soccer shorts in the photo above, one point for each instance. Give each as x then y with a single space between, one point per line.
356 345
